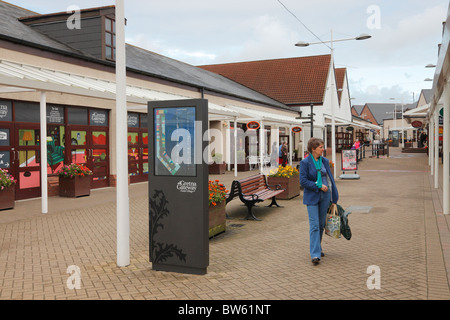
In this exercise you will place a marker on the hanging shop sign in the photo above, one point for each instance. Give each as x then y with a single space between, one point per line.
349 128
253 125
296 129
416 124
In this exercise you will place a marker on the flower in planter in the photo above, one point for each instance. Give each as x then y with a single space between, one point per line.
6 180
217 192
73 170
285 172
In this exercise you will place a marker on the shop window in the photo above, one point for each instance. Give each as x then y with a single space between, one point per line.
110 39
27 111
77 116
55 148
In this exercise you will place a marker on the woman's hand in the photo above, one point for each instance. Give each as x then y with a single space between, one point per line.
324 188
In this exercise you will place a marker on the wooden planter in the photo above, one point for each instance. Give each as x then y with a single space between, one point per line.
7 198
217 168
217 219
291 186
75 187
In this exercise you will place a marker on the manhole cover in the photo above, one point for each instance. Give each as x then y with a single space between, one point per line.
361 209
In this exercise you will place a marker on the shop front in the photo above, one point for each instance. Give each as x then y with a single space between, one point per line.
74 135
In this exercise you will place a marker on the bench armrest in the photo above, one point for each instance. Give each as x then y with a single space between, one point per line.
275 187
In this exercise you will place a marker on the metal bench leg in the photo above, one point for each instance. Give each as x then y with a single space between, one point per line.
250 215
274 202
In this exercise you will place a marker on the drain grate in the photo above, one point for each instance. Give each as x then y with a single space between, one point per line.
361 209
237 225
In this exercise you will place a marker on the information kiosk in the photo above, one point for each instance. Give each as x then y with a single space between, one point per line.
178 186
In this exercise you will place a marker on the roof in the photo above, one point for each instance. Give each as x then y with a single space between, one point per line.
340 77
12 28
358 108
138 59
142 60
382 111
292 81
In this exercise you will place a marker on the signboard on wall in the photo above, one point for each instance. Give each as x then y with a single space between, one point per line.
178 186
5 110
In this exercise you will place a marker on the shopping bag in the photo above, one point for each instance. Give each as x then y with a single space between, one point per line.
345 227
333 222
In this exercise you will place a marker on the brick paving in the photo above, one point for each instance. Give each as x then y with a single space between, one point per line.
404 234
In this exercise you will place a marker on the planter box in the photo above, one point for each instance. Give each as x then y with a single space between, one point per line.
292 186
217 168
7 198
75 187
217 219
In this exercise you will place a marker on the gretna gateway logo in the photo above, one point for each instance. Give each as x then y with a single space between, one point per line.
184 186
3 111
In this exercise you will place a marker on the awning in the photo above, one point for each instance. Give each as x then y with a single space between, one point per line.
246 114
417 114
366 125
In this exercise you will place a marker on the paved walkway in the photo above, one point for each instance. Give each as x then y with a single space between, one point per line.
399 234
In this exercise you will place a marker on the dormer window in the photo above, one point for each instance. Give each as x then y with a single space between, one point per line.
110 39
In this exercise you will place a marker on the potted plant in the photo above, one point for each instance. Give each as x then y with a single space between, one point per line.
243 164
288 178
217 214
218 166
7 190
74 180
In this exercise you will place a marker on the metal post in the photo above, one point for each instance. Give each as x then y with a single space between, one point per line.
436 147
431 145
43 142
235 147
123 210
446 150
291 138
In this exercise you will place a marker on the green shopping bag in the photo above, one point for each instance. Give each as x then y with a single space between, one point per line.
345 227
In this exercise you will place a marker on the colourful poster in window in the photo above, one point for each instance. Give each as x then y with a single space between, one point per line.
174 141
349 162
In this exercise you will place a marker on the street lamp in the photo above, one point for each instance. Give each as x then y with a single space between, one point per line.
333 124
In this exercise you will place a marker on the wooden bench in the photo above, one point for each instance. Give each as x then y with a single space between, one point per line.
252 190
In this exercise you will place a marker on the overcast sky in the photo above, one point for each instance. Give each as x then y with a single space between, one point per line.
405 35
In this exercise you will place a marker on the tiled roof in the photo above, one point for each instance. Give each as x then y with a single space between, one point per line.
292 81
340 77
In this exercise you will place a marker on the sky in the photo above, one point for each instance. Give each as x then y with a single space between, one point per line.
389 67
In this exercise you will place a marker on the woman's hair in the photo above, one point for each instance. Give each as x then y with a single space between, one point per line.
313 143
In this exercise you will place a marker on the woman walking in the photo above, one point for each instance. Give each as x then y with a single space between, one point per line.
319 190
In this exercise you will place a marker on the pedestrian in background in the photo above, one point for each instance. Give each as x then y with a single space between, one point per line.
319 190
284 154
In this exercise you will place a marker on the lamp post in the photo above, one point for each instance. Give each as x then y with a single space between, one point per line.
333 84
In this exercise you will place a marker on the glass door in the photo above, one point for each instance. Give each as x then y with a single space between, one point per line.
7 151
89 146
137 154
26 161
